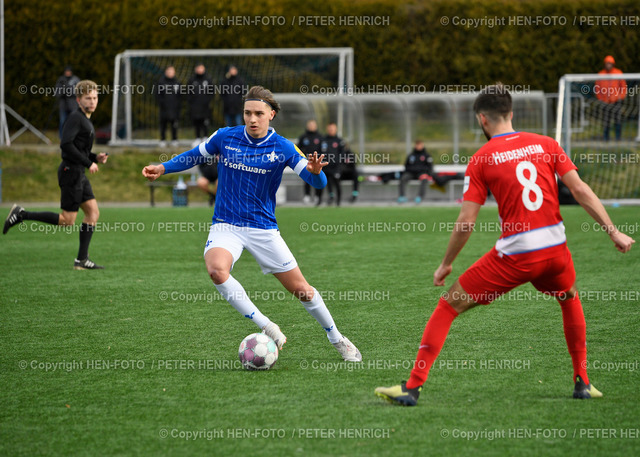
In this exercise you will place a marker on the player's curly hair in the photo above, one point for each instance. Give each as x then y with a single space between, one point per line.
262 94
494 101
84 87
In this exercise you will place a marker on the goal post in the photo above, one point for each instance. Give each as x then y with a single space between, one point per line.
289 70
598 125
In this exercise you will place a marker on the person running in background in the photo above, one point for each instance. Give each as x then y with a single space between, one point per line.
75 189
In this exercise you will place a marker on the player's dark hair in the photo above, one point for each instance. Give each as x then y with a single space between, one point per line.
494 102
84 87
262 94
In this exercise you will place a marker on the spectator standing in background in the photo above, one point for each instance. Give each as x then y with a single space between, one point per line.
65 91
200 90
348 170
333 147
168 96
419 165
308 143
232 90
611 93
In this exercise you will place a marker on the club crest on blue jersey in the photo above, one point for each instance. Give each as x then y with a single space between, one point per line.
272 157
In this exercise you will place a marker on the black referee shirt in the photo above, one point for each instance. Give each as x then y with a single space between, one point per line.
77 140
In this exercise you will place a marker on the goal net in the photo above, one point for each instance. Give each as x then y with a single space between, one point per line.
135 111
597 124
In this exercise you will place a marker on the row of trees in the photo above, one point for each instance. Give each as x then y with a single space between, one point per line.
435 43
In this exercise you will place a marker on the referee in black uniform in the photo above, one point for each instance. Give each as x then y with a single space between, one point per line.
208 182
75 190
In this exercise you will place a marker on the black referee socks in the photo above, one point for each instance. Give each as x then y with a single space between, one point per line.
86 232
45 216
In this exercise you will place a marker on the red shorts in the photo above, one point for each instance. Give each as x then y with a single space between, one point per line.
492 276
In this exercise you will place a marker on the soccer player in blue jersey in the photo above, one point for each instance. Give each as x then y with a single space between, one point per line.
251 159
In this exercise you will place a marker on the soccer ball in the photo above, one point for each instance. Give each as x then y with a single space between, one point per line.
258 352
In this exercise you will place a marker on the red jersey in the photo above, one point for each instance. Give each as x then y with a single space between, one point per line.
520 171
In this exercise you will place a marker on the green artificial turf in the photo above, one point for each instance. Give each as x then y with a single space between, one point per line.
141 358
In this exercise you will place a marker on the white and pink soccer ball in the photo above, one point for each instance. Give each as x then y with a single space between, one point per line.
258 352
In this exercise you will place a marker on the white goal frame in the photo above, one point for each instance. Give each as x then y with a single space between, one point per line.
564 128
123 61
563 123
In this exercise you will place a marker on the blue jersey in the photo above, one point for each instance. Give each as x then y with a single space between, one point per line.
249 173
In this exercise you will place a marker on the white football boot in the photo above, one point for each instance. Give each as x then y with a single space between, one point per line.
347 350
272 330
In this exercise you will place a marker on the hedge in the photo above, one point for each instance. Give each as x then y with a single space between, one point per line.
415 47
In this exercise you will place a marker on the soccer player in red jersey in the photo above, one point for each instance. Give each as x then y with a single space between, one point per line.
520 171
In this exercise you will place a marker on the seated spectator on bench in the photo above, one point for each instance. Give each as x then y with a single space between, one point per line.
419 165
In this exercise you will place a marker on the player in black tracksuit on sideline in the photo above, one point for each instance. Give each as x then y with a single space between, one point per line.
169 96
308 143
419 165
348 170
335 150
75 190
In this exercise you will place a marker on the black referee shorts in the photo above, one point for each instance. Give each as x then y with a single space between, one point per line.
75 188
209 171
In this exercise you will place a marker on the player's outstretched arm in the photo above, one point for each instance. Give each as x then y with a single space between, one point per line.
592 205
459 236
153 172
312 174
315 163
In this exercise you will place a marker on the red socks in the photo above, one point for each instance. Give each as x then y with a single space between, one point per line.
433 338
575 332
437 329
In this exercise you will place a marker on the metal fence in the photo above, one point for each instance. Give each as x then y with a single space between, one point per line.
382 128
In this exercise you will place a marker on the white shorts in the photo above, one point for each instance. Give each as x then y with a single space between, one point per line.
266 246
